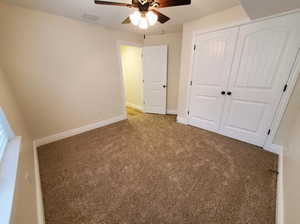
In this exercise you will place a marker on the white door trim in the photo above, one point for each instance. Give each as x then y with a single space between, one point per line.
119 58
291 82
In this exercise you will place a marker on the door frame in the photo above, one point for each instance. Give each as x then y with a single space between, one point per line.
121 72
285 98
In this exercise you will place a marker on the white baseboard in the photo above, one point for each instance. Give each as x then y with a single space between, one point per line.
38 189
280 198
134 106
182 120
173 112
273 148
76 131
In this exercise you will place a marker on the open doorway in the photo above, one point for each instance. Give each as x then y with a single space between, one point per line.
132 71
144 71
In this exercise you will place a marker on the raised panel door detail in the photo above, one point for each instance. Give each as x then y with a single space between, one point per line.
260 58
239 115
211 69
263 60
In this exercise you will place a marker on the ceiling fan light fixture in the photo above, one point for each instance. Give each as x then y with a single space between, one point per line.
152 18
135 18
143 23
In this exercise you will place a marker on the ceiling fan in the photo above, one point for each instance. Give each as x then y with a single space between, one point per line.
146 13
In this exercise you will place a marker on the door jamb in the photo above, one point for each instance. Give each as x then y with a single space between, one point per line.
283 104
119 59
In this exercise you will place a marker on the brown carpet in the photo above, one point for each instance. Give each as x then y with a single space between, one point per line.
152 170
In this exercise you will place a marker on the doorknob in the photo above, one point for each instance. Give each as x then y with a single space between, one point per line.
164 86
229 93
223 92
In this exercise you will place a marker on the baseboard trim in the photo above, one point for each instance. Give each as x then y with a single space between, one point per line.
182 120
277 149
38 188
76 131
173 112
134 106
280 197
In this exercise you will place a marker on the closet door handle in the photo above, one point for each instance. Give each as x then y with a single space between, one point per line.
229 93
223 92
164 86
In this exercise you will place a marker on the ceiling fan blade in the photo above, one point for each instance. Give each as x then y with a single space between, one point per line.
113 3
126 21
170 3
135 2
161 17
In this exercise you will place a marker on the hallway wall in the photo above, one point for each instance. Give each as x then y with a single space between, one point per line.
133 76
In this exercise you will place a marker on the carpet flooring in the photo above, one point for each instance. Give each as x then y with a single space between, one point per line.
151 170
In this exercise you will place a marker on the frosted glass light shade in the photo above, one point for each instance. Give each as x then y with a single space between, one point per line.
143 23
135 18
152 18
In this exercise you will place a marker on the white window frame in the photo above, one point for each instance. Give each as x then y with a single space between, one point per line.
8 131
8 171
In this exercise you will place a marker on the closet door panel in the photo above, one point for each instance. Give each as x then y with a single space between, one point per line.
263 61
211 69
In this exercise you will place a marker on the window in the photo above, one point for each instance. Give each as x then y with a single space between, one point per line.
3 140
9 153
5 133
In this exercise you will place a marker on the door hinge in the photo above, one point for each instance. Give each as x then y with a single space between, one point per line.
191 83
188 112
195 47
285 87
269 132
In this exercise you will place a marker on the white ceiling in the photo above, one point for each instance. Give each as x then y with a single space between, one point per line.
112 16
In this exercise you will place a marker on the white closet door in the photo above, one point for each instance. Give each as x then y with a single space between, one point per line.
155 79
263 61
210 74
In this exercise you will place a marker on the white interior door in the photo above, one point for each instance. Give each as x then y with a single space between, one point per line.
211 69
264 57
155 79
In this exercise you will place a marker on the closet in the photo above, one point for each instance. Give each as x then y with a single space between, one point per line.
239 75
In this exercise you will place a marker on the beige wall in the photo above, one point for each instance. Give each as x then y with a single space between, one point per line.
224 18
289 117
133 75
25 198
291 168
62 70
262 8
289 137
174 41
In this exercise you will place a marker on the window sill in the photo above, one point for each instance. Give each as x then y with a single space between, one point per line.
8 174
